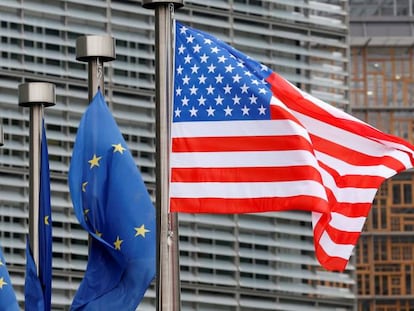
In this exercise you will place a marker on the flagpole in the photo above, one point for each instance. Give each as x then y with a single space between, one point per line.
36 96
168 281
1 135
95 50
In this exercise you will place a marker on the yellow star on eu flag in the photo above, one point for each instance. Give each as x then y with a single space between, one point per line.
118 148
85 214
141 231
2 283
94 161
84 186
118 243
46 220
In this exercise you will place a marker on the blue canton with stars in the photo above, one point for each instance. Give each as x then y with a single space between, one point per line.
215 82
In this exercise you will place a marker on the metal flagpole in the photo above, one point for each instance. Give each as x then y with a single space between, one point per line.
1 135
168 281
35 95
95 50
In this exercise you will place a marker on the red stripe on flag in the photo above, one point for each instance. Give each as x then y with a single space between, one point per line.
352 156
353 180
331 263
319 227
342 237
281 113
249 205
348 209
351 209
245 174
244 143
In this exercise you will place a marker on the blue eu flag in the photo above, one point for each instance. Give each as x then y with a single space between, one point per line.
111 202
38 287
8 300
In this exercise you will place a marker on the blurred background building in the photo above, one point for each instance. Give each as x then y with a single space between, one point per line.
382 93
228 262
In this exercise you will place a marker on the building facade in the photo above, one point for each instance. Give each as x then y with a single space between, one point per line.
227 262
382 93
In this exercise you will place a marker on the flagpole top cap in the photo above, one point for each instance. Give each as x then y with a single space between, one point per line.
152 4
90 47
37 93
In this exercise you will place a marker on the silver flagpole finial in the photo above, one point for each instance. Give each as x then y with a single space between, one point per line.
95 50
153 4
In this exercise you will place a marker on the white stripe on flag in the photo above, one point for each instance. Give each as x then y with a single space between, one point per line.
247 189
237 129
243 159
333 249
344 168
345 223
348 194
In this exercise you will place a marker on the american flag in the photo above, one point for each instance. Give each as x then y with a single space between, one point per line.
245 140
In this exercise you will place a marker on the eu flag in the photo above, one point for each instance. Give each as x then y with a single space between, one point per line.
38 287
111 202
8 300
